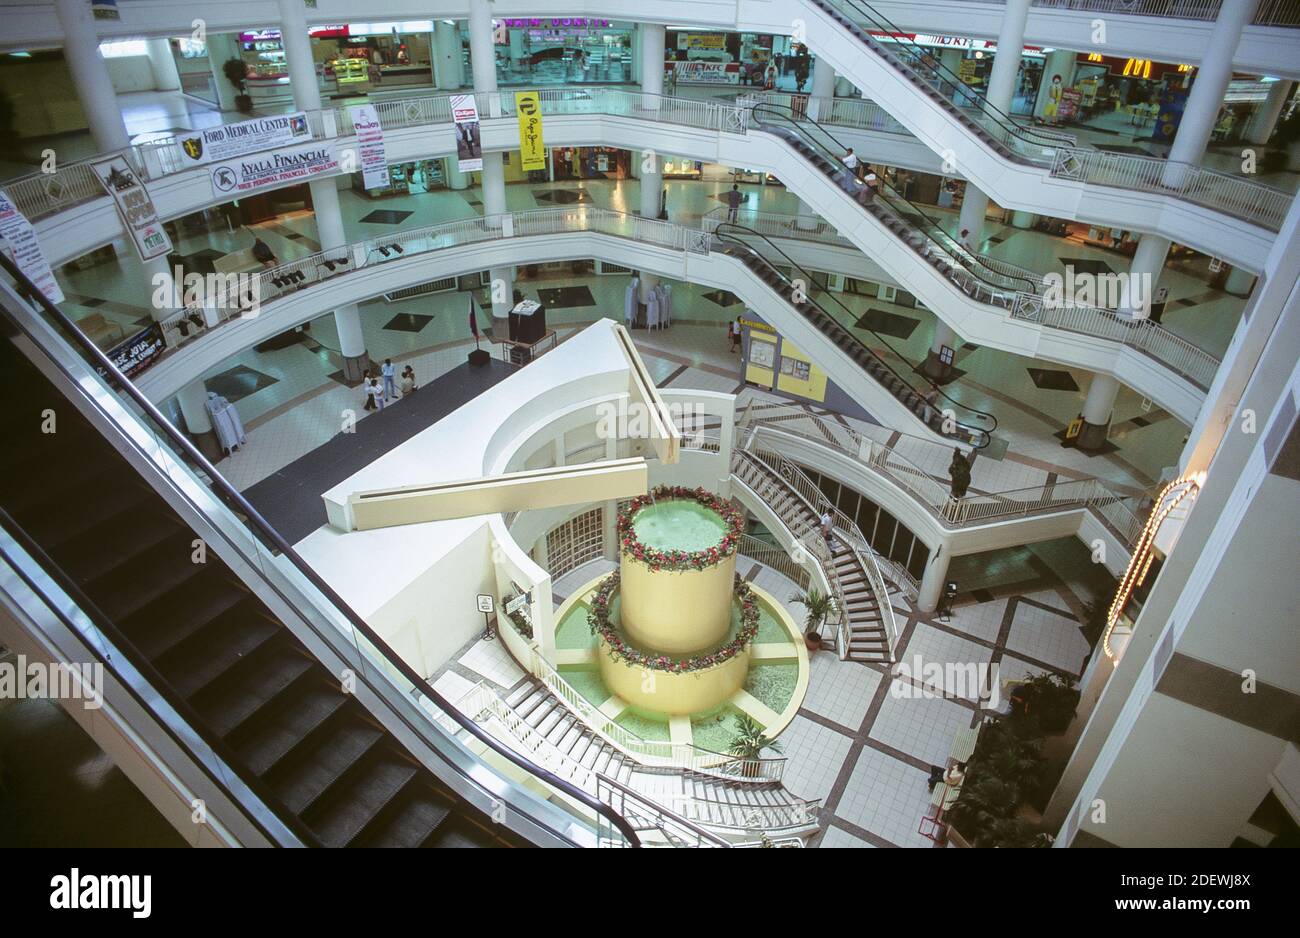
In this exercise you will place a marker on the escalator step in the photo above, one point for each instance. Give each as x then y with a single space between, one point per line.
250 685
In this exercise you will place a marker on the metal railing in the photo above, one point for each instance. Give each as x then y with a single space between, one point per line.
844 526
1270 12
1232 195
775 557
291 277
1093 494
1143 335
647 816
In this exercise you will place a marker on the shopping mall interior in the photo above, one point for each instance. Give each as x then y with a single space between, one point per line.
779 423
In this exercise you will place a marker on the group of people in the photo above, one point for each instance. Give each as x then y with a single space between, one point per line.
377 394
857 178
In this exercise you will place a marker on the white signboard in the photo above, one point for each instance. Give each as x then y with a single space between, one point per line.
18 240
135 206
370 144
296 164
485 604
707 73
226 141
469 148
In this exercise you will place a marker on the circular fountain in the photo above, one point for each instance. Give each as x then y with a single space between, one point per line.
675 624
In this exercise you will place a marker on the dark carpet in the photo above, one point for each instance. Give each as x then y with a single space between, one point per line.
291 498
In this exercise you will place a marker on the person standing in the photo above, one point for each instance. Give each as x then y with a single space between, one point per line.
408 381
959 473
389 373
733 334
734 198
828 529
374 394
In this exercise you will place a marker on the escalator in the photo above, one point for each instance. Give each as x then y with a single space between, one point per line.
945 416
192 641
962 102
984 279
206 642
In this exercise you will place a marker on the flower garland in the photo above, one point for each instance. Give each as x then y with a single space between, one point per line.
620 650
680 559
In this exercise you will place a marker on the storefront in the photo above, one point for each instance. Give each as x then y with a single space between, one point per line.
562 50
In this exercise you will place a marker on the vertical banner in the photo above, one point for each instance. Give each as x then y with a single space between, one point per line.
370 145
529 106
469 147
135 207
18 240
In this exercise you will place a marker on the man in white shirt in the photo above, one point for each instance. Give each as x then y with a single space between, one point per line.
390 375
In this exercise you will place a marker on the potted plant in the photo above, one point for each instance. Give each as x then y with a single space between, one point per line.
820 607
236 71
748 744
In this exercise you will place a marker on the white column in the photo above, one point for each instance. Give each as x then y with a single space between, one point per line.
609 530
652 37
1023 219
193 399
823 87
1240 282
843 87
1264 122
448 59
934 579
162 63
652 184
90 76
162 284
1097 408
943 335
482 52
1006 62
455 178
974 204
1209 87
634 47
950 59
222 47
1058 62
1138 288
297 55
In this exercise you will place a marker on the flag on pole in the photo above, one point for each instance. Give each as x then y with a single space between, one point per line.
473 319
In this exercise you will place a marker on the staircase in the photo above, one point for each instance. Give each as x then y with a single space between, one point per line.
206 643
867 638
720 804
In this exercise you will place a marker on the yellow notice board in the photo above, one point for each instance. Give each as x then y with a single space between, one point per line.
529 106
762 358
799 375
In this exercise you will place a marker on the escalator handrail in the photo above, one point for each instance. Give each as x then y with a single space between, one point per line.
885 25
252 518
979 414
950 246
158 683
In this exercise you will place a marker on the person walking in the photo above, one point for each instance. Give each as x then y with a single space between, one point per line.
931 400
734 198
959 473
828 530
374 394
389 373
733 334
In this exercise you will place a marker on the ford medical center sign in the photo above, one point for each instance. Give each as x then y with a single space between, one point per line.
226 141
281 167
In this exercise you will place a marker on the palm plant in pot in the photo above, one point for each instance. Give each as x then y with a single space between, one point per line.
748 744
820 607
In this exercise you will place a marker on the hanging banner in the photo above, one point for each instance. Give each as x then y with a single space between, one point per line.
529 106
135 207
298 164
140 351
18 240
370 145
469 147
226 141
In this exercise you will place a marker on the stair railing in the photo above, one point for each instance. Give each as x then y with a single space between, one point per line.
652 752
846 527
